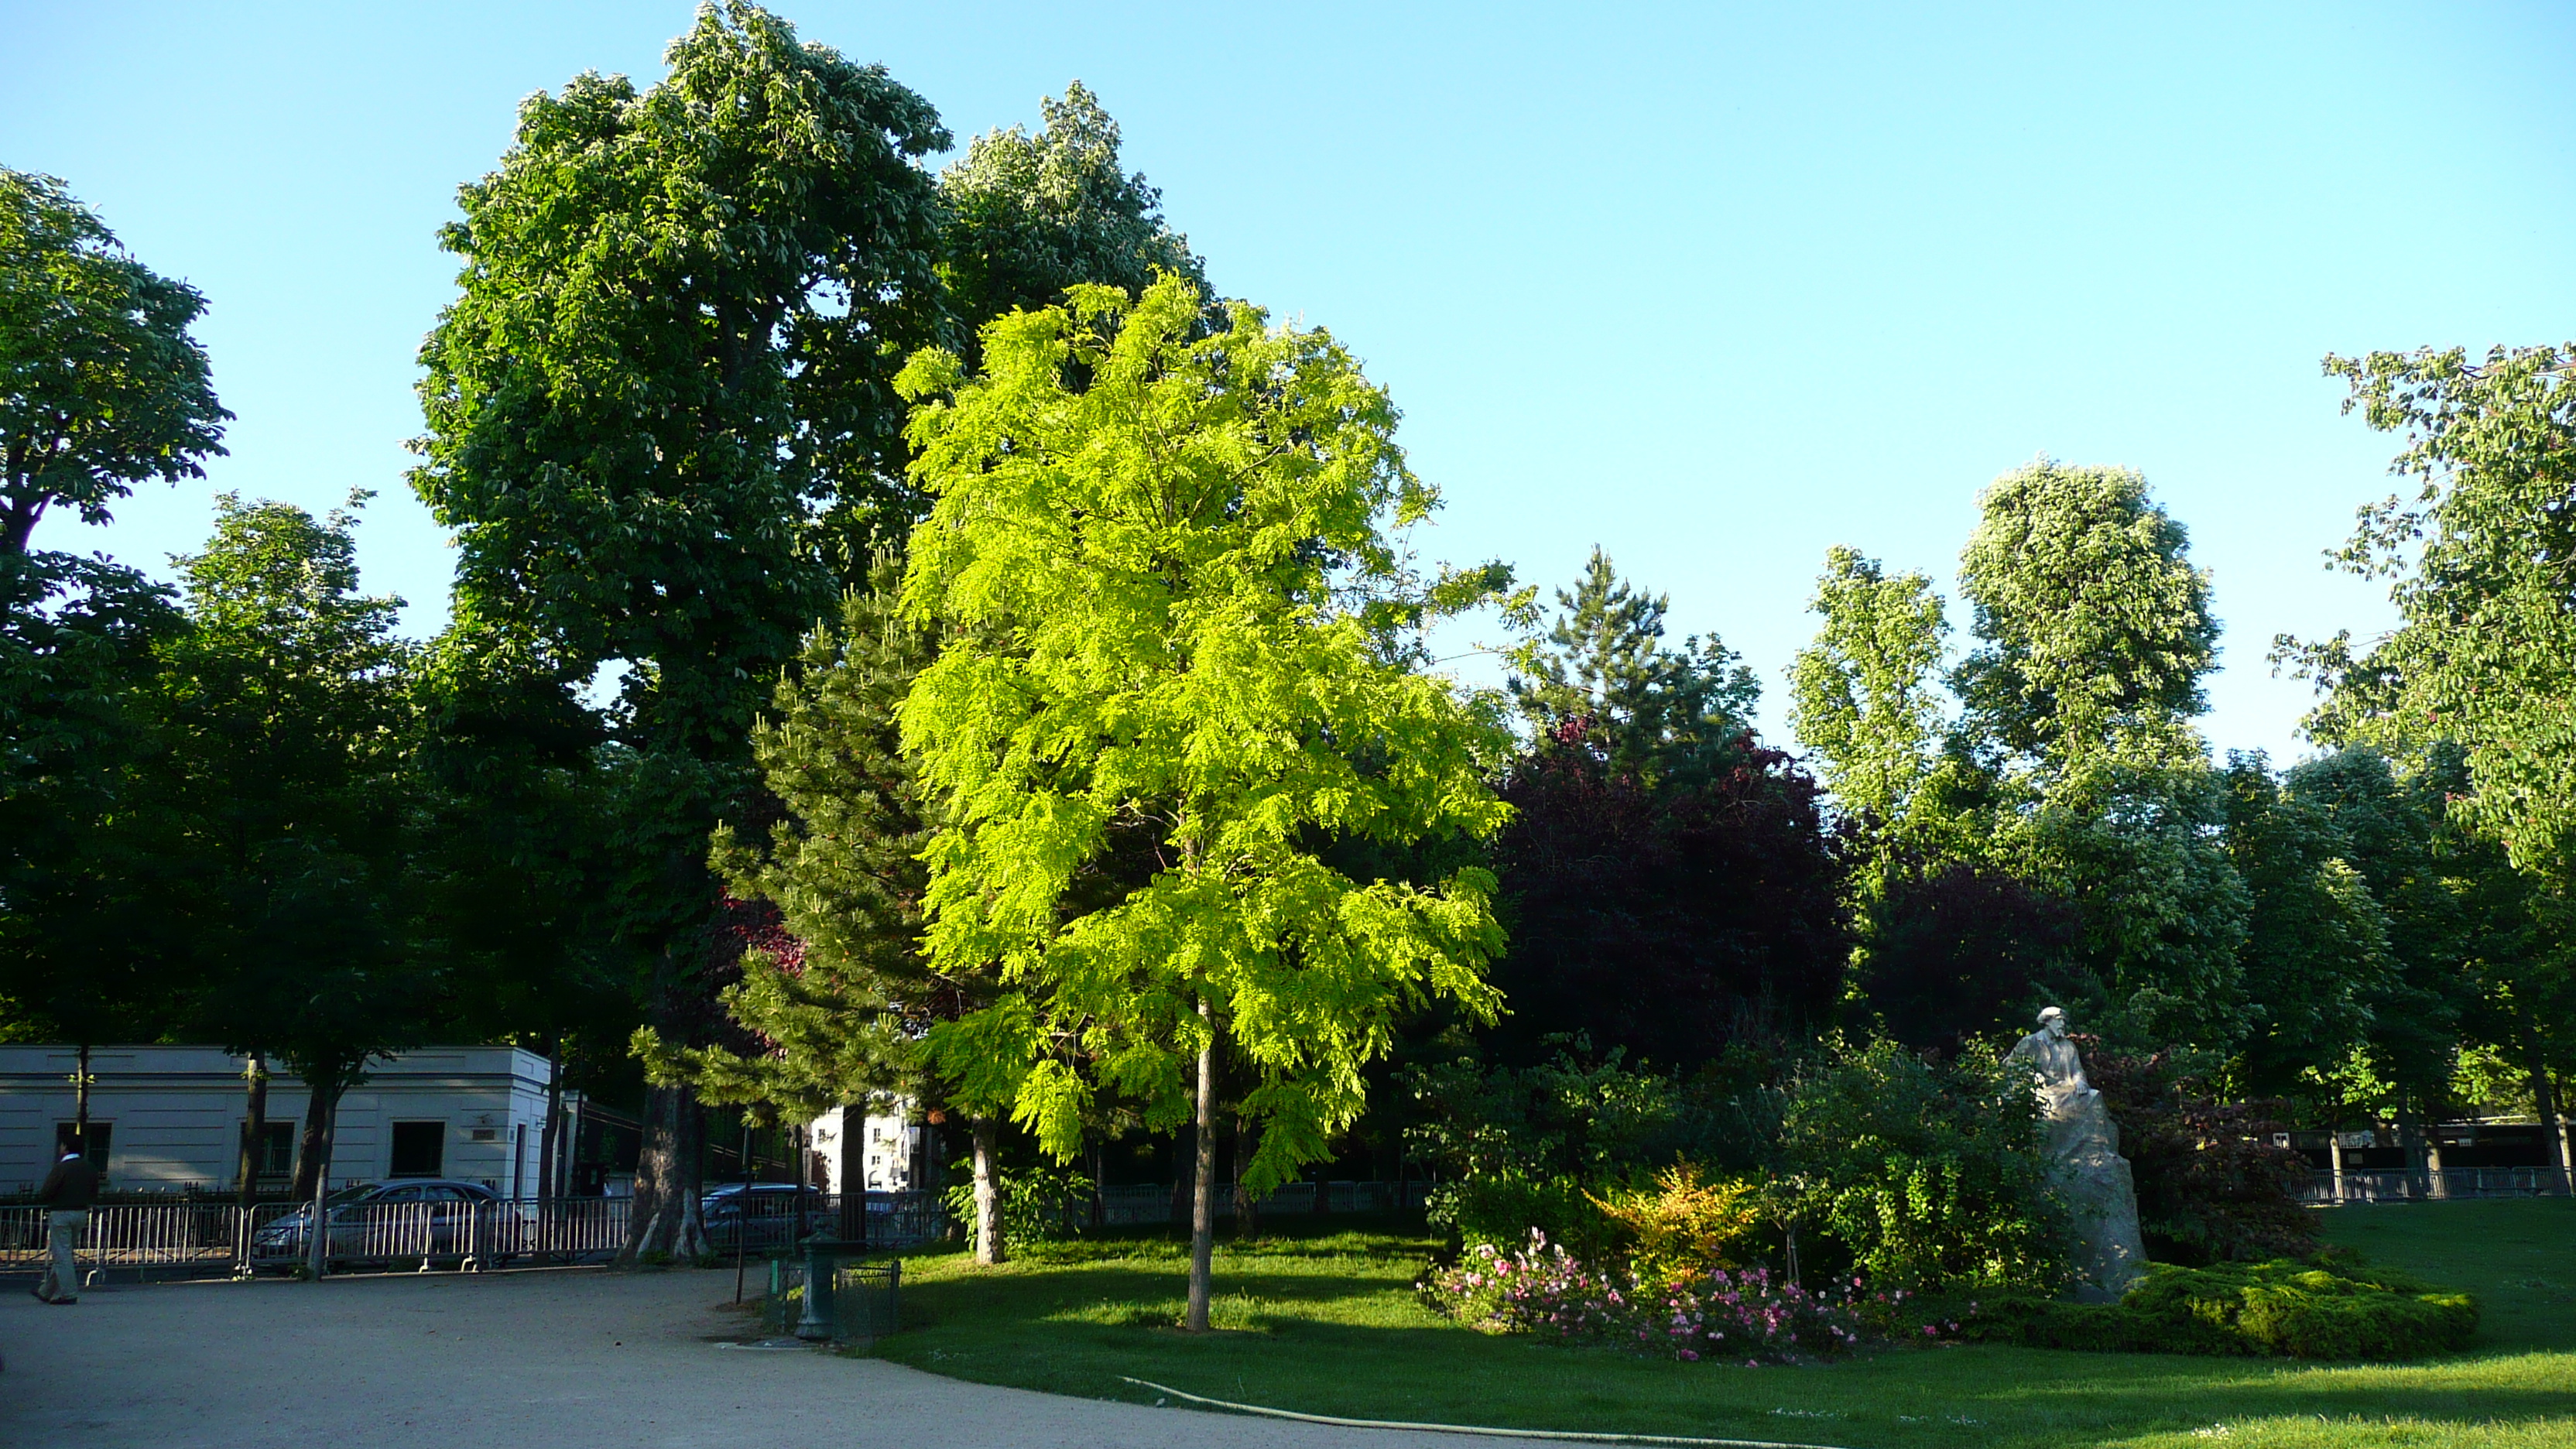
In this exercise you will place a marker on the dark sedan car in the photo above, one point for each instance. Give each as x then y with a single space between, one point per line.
422 1217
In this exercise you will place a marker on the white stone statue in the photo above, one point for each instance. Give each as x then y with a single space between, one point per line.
2085 1163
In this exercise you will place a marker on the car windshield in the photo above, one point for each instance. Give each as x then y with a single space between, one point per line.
359 1193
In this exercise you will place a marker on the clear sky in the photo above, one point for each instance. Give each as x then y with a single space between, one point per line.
1712 286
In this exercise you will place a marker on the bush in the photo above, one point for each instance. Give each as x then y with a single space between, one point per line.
2284 1308
1684 1227
1039 1204
1502 1208
1542 1289
1518 1148
1922 1174
2212 1187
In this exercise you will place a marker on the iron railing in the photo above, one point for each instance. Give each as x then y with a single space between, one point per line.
2329 1188
1152 1202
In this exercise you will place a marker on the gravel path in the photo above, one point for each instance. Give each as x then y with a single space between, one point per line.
550 1360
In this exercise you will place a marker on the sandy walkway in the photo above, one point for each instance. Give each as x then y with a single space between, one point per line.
551 1360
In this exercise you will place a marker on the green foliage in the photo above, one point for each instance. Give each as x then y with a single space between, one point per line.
1170 682
1653 711
290 726
94 938
2316 950
841 864
1684 1225
1522 1148
101 386
2071 771
1922 1174
1036 1204
1029 216
2486 647
2095 627
1864 695
2336 1309
660 415
2211 1184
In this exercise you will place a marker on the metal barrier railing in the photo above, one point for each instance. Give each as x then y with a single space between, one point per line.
213 1237
1152 1202
2327 1187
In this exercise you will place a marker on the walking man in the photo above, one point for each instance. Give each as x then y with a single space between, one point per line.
67 1194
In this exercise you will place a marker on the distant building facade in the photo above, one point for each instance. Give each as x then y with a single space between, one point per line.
886 1154
170 1118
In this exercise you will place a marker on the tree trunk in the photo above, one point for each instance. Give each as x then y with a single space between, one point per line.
254 1128
1099 1184
1203 1181
2544 1097
313 1153
989 1247
666 1222
853 1178
550 1141
1247 1216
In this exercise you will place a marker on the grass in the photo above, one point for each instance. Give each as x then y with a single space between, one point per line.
1328 1323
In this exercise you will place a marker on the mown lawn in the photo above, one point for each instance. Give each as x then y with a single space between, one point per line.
1330 1324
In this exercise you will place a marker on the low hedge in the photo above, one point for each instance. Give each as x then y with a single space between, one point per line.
2333 1308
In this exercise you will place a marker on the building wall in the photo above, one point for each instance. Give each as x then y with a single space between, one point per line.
889 1135
175 1113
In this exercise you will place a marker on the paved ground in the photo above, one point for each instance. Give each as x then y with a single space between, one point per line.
552 1360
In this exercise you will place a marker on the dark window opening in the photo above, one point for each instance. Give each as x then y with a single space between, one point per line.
274 1154
420 1149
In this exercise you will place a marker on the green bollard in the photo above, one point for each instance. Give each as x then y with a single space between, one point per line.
818 1323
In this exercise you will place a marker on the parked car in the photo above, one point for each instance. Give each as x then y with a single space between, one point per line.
425 1217
763 1215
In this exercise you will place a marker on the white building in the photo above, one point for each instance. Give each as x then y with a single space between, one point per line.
172 1117
889 1141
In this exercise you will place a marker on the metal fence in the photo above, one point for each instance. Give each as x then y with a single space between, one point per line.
2330 1188
1153 1203
200 1238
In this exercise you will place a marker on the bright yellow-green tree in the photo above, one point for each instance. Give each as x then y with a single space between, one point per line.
1174 675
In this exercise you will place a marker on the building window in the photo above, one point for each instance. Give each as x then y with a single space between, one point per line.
420 1149
66 1134
274 1154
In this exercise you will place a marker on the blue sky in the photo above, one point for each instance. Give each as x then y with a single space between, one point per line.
1715 287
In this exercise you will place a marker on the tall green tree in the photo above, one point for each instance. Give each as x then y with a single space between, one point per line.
2317 957
1865 696
1176 640
662 425
839 998
1656 710
2094 630
94 932
2485 650
101 387
1030 215
289 731
2094 627
2071 768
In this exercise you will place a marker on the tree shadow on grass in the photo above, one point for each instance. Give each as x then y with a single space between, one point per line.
1322 1342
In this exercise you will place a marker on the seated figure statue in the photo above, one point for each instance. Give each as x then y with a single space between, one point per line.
2084 1162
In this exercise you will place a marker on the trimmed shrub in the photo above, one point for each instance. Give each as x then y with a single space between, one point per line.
2285 1309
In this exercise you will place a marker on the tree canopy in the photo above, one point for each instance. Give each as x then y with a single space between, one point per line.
101 387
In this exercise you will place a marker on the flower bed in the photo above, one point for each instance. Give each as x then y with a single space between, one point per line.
1748 1315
